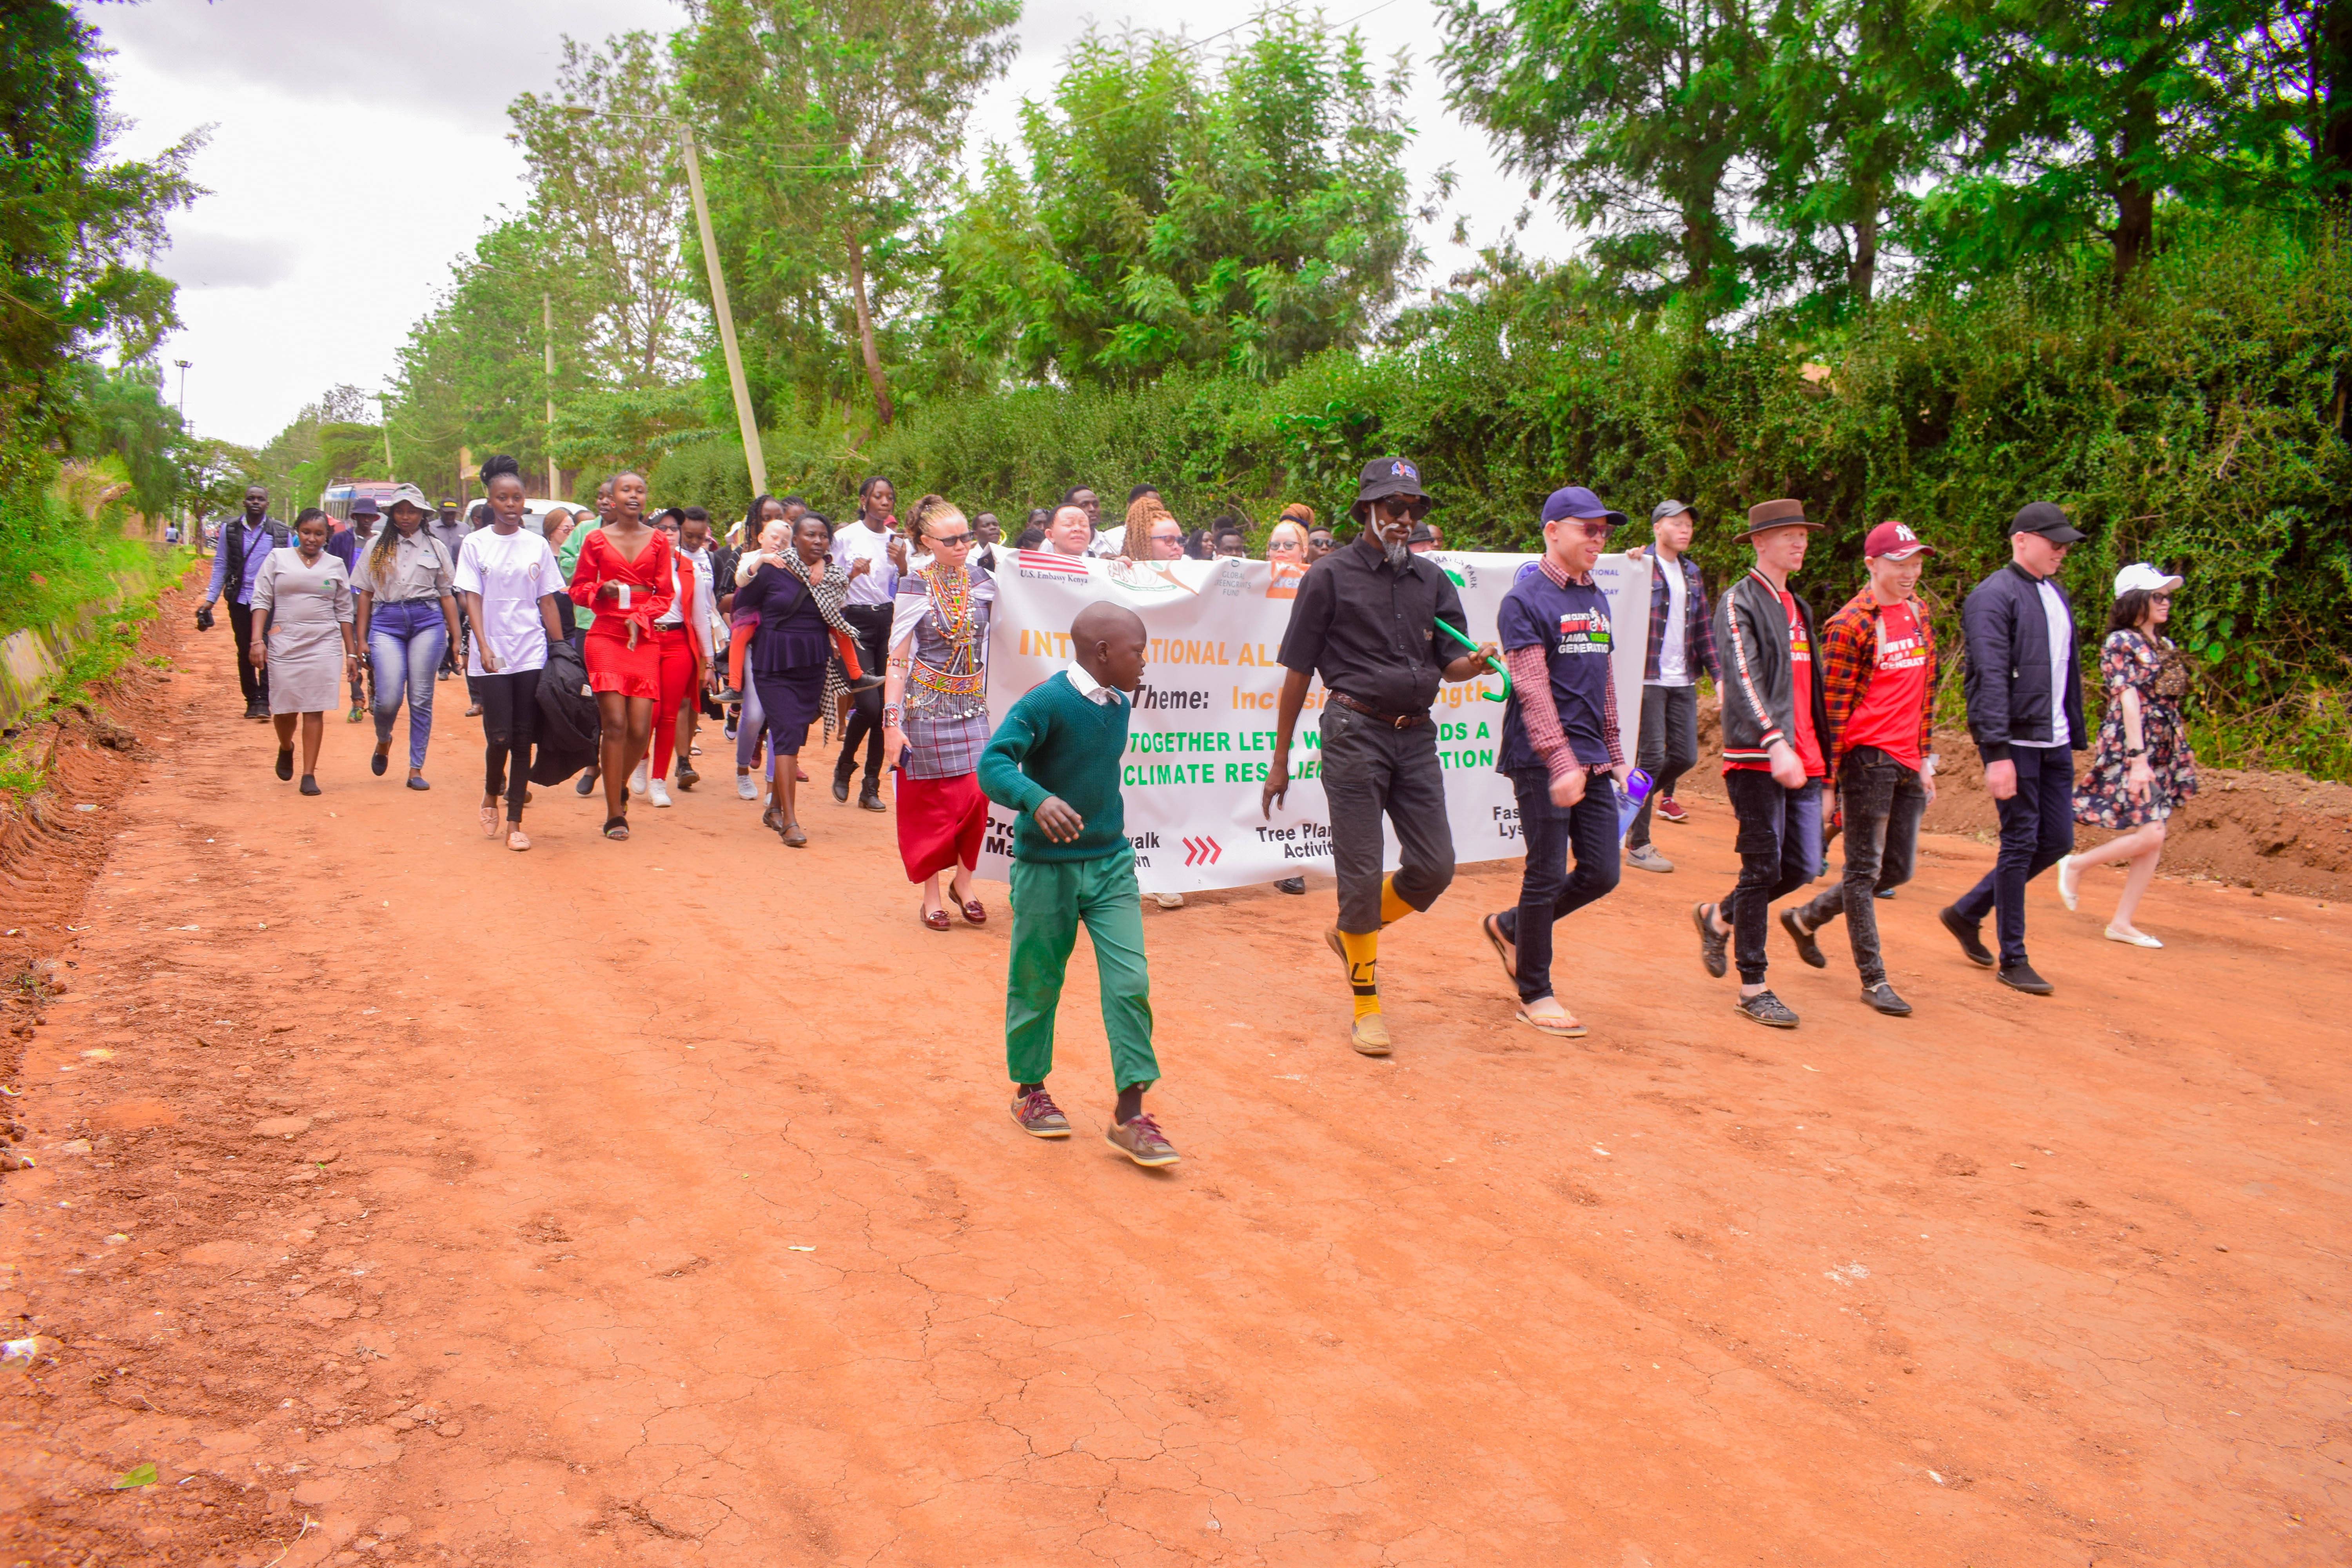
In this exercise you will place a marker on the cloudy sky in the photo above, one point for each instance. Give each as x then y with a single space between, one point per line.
358 148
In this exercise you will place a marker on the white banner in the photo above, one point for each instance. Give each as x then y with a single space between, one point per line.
1202 730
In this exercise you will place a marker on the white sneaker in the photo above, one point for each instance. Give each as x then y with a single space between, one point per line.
746 787
637 779
2070 880
659 793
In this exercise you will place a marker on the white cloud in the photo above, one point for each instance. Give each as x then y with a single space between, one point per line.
201 260
362 147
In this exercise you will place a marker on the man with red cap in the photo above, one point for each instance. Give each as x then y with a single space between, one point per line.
1878 686
1773 724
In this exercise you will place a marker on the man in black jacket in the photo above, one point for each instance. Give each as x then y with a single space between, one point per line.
1774 727
2024 689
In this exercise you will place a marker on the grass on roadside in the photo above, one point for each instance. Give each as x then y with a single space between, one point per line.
24 749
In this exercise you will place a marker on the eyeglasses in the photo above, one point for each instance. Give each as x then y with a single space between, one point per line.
2159 598
1591 527
951 540
1283 547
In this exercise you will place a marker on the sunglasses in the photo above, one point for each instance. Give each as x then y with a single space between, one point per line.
2159 598
1283 547
951 540
1395 506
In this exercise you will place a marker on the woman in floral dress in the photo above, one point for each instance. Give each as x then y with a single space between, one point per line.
2142 770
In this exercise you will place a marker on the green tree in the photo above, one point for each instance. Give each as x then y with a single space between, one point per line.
609 197
120 413
838 124
1640 117
1247 217
2082 119
75 231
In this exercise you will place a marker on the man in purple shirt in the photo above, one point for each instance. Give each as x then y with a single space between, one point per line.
245 543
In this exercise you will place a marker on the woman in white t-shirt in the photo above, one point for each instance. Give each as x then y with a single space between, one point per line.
510 580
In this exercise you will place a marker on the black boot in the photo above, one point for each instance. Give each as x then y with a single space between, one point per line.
841 782
870 797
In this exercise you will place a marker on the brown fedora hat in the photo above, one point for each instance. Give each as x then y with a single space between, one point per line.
1778 514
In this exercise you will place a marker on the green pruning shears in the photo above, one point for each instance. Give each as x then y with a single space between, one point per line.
1492 663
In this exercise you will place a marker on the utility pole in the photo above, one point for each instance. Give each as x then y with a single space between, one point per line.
752 454
180 408
547 327
385 409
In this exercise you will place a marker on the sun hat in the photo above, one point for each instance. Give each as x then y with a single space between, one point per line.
1783 514
364 506
1385 476
2140 574
412 496
1576 501
1894 541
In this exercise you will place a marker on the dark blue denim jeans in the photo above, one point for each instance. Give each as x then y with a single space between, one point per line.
1780 847
2037 826
1549 890
1884 802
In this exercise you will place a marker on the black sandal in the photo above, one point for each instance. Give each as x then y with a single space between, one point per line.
616 829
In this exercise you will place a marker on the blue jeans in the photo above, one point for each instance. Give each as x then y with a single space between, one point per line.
405 642
1549 890
2037 826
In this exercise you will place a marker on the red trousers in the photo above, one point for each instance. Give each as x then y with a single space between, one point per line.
679 668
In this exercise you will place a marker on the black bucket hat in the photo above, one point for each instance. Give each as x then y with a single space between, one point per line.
1385 476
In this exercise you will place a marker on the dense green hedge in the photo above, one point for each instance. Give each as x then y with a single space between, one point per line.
2197 420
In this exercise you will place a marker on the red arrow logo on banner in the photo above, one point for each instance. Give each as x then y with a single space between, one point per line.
1201 851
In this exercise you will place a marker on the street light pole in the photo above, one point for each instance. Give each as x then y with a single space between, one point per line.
181 406
547 327
752 456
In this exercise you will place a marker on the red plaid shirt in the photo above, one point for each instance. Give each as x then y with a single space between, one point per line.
1848 654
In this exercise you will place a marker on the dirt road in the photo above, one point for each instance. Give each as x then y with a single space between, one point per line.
656 1204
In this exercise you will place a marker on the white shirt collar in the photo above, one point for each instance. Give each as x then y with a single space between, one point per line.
1087 686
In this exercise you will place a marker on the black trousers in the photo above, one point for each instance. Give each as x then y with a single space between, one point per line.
872 624
1668 749
254 683
1370 770
1884 802
509 702
1549 890
2037 826
1775 859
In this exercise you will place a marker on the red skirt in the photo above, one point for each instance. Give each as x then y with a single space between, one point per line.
940 822
615 666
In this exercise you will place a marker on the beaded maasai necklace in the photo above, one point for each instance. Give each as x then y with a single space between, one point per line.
957 688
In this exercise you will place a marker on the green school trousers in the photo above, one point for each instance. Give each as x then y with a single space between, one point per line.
1049 899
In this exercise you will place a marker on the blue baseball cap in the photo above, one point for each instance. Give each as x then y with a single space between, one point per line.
1576 501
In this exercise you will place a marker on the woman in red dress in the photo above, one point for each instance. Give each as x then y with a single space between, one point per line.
623 575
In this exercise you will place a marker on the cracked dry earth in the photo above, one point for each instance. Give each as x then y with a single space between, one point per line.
656 1204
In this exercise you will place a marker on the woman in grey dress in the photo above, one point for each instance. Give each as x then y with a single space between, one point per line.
302 635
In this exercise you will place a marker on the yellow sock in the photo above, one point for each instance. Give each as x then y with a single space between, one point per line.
1362 954
1392 907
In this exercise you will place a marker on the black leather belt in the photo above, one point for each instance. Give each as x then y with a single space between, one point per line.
1393 721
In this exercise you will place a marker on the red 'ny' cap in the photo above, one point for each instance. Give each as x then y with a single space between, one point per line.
1894 541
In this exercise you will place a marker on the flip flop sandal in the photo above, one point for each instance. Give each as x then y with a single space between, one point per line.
1563 1028
517 841
616 829
489 821
1504 951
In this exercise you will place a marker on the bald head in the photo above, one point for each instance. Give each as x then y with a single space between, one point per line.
1070 531
1107 642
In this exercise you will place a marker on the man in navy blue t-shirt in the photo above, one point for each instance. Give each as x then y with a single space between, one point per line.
1559 745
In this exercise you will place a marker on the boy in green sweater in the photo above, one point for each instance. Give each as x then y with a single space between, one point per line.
1056 760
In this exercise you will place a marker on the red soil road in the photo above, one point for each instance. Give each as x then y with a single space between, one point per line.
656 1204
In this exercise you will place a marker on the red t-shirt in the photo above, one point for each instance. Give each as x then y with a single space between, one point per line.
1801 671
1887 717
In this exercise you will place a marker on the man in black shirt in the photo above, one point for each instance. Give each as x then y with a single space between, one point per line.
1366 620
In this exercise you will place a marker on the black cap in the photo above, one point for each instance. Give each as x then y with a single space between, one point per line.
2045 519
1384 477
